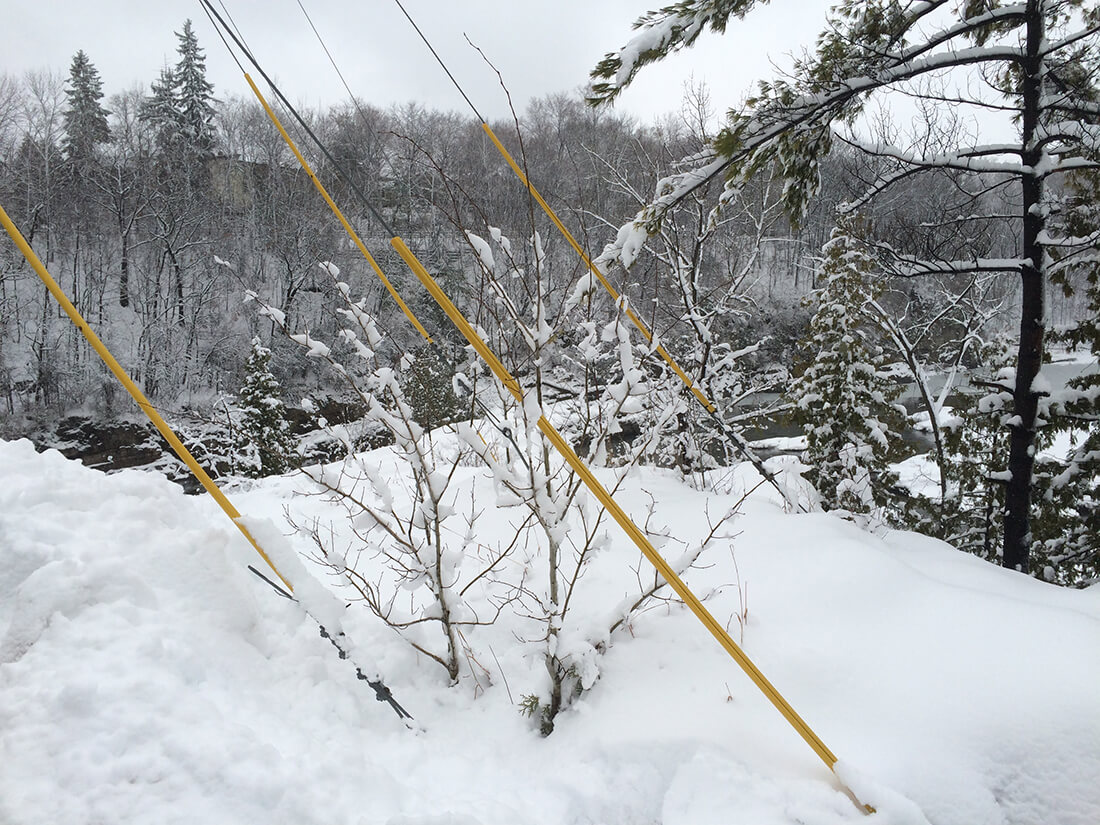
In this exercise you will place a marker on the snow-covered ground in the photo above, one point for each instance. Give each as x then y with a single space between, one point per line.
147 676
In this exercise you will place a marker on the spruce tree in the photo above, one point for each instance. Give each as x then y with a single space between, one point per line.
976 461
841 399
160 111
85 118
427 388
266 432
194 93
1070 553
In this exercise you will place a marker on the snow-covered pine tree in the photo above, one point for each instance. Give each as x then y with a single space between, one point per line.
85 118
975 460
841 399
1070 554
159 110
265 429
194 94
975 471
428 389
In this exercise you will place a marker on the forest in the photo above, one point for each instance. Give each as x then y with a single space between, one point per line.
867 293
738 466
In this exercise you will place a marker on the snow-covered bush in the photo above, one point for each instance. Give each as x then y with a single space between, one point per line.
568 528
426 550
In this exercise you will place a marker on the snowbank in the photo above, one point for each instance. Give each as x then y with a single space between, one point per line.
147 676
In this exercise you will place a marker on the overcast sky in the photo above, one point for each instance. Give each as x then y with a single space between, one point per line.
540 48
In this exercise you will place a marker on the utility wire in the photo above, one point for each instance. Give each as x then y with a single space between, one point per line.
439 60
354 100
217 28
340 74
233 22
213 13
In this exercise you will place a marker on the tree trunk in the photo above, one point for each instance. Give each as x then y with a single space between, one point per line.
124 268
1021 459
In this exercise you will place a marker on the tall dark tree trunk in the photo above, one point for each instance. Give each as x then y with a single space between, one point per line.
177 272
1021 458
124 268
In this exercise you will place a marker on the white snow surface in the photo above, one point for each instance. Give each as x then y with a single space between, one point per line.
147 677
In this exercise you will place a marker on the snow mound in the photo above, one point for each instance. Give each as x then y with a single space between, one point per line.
147 676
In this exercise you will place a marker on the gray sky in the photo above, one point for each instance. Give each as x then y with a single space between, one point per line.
540 48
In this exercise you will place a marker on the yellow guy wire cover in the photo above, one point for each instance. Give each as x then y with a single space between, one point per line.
620 516
638 322
336 211
132 388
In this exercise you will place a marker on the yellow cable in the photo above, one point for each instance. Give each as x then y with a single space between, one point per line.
132 388
620 516
336 211
638 322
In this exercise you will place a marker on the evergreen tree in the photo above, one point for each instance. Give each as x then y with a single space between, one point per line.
842 400
85 118
1071 551
975 463
194 93
975 468
428 389
267 440
160 111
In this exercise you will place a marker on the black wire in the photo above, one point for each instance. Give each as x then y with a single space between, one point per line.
332 60
354 100
233 22
210 10
232 53
381 692
502 428
274 586
439 60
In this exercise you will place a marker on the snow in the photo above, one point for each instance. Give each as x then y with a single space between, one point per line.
147 676
945 419
276 315
483 251
784 443
315 348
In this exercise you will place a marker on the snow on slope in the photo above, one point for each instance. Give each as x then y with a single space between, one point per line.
146 676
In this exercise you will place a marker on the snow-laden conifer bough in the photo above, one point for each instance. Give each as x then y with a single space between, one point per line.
315 600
